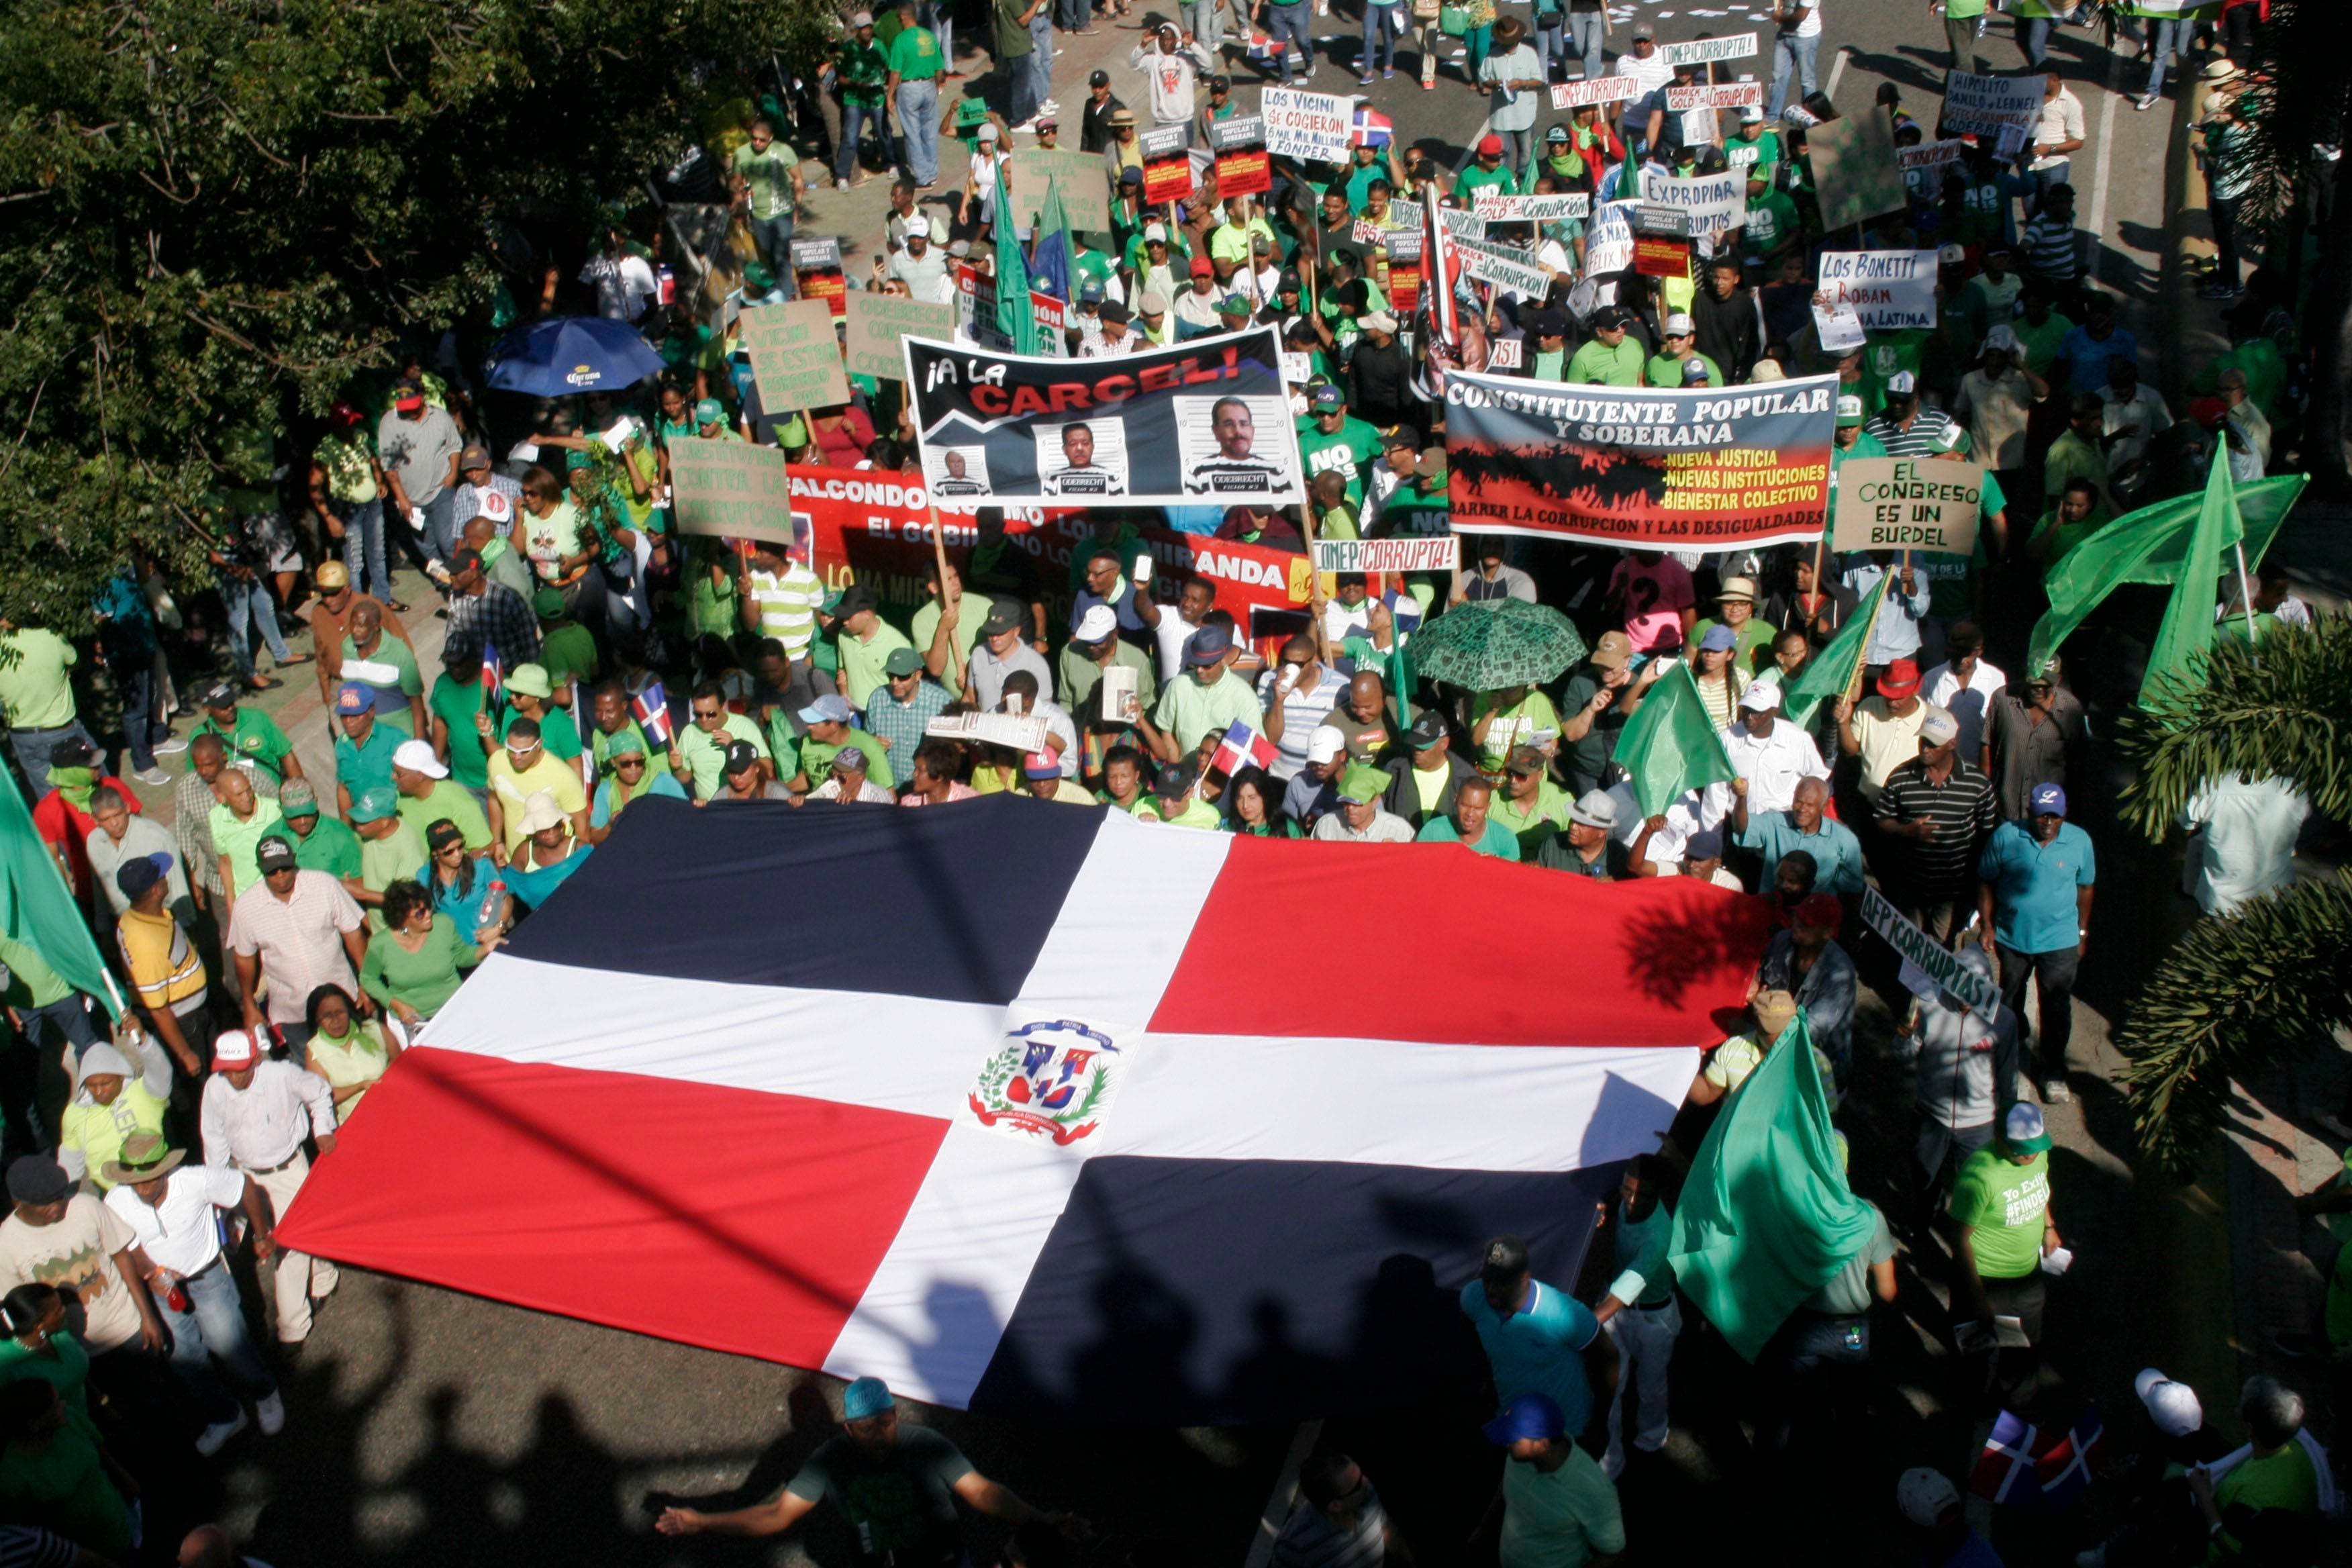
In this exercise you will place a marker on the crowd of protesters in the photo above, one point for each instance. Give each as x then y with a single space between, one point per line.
283 938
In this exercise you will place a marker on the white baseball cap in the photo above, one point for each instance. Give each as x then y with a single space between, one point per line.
1325 745
918 225
1099 622
2173 1407
988 131
417 757
1761 696
1925 1496
1679 326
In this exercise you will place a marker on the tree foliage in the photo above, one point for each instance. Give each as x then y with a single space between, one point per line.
213 213
2288 716
2300 94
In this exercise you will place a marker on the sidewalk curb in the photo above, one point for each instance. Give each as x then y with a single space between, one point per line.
2186 334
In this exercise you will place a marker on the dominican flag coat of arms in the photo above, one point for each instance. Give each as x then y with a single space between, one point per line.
1035 1109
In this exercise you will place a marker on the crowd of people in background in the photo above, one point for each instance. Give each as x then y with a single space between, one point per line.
284 938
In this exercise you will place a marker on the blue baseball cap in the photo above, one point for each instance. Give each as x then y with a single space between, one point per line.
1207 646
1707 843
2049 800
352 699
828 710
1719 639
1528 1416
867 1397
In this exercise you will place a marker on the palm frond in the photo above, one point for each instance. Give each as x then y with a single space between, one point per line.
2295 97
2236 990
2291 718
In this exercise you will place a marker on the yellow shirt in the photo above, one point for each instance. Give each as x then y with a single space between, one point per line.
100 1130
165 968
560 779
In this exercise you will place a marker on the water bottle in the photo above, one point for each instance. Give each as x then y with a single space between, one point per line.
492 897
176 1297
668 282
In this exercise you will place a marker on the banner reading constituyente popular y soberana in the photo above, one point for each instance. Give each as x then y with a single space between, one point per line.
1712 469
1203 424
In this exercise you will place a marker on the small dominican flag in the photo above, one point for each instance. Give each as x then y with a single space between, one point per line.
2005 1470
2065 1466
1241 747
1369 128
1404 611
651 707
494 681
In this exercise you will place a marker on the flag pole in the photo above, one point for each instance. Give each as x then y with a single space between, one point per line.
2246 591
940 554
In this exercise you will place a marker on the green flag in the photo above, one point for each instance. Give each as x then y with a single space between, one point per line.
1670 744
37 909
2148 546
1766 1216
1016 317
1831 671
2187 633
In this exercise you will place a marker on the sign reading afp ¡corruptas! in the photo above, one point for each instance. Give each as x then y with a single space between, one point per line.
1203 423
1942 965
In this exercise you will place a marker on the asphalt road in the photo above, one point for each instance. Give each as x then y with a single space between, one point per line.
429 1427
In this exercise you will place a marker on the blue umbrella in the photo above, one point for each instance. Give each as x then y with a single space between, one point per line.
566 355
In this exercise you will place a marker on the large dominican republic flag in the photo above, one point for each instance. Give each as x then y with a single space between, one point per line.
1036 1110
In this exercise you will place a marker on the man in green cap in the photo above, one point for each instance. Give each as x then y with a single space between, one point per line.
250 735
1359 820
903 705
1470 823
321 842
567 650
711 421
390 850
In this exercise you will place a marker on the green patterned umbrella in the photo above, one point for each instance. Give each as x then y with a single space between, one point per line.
1496 643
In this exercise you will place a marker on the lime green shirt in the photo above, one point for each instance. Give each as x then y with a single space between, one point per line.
862 659
1189 710
447 802
330 847
254 738
915 55
238 839
34 686
1598 364
2004 1206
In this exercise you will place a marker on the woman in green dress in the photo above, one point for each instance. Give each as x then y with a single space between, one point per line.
412 965
347 1050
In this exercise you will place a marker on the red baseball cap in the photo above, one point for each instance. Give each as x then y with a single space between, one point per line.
1901 680
1201 268
1490 142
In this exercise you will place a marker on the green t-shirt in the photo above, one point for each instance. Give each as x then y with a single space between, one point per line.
446 801
915 54
1474 179
862 659
1761 153
1963 10
1543 818
705 754
1597 364
567 651
456 705
1531 721
64 1487
864 67
900 1506
236 839
254 738
2003 1205
1495 839
2284 1480
31 981
1665 370
1771 223
558 735
1562 1519
1351 449
816 758
329 847
390 705
770 176
2042 344
424 980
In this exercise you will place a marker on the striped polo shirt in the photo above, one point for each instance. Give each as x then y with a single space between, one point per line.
1965 813
788 606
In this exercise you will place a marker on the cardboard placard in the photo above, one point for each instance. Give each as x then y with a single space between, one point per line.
1855 171
1718 95
1656 256
731 487
795 356
1500 206
1667 223
1705 51
1566 95
1084 196
1716 203
1399 552
1167 166
1244 167
1505 353
1512 271
1984 104
1310 125
1927 504
877 323
1930 154
1889 290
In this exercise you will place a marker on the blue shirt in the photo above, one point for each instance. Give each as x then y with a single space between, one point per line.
467 910
1897 635
1538 1349
1836 852
600 811
1122 601
2087 357
532 887
2033 886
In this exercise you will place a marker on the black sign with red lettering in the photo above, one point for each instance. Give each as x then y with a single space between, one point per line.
1202 423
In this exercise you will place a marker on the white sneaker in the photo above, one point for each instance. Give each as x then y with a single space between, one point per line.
272 1411
153 777
841 185
2056 1092
220 1432
170 747
1049 107
1027 127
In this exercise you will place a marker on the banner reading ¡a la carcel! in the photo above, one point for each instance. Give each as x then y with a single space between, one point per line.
1201 423
1705 470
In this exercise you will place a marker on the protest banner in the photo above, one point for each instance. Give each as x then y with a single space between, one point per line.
1198 423
1499 206
1929 154
1566 95
975 314
1889 290
1167 166
1716 203
1838 328
1404 272
1243 168
876 322
1461 225
1407 214
816 269
1398 552
1505 353
1512 271
1666 223
1657 256
731 487
1717 95
1854 169
1706 51
1929 504
1312 125
1986 104
1709 468
794 355
1941 965
1367 232
1084 196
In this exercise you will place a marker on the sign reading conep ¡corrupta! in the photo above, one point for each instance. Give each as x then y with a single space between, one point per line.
1928 504
1400 552
1648 467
